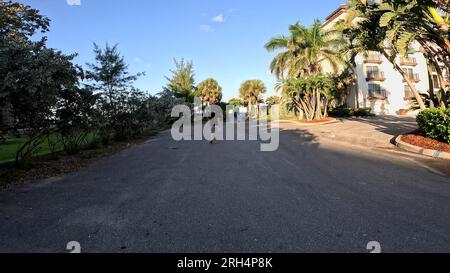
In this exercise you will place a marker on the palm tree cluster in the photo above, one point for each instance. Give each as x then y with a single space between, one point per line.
299 67
392 27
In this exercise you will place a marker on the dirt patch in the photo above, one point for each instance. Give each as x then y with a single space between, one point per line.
418 140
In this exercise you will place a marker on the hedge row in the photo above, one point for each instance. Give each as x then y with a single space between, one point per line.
435 123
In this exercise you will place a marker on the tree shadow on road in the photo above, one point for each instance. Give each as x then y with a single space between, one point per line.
391 125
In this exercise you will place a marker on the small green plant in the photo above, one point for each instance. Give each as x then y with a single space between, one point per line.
435 123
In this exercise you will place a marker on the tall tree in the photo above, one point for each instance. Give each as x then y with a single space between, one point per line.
362 34
182 80
417 21
109 77
210 91
18 22
304 51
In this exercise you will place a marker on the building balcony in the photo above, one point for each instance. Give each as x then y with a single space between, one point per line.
409 95
377 93
375 76
373 59
446 80
408 62
413 77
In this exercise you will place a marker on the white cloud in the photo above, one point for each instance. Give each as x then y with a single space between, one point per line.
206 28
218 19
230 10
74 2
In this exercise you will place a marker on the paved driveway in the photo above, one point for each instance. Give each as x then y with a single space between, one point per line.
165 196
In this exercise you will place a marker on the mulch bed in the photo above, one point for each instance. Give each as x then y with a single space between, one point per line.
416 139
317 121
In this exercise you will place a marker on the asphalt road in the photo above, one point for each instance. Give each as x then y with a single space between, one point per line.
167 196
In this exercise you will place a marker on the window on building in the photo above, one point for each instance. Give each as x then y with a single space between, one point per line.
436 84
372 68
375 90
409 72
372 71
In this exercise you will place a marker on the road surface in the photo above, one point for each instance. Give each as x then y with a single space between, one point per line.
167 196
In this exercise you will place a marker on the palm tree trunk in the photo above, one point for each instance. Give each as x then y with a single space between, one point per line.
408 82
443 103
318 105
430 84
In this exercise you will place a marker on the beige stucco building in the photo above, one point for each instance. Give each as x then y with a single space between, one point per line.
378 85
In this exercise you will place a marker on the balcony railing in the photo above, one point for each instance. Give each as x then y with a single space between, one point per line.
409 95
377 93
375 76
408 62
413 77
373 59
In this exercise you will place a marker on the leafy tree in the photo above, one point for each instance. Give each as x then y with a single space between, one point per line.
18 22
182 80
162 105
31 78
251 93
74 117
344 81
210 91
110 78
235 102
304 50
273 100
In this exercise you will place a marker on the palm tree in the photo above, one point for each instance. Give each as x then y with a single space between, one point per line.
273 100
210 91
251 93
304 50
413 22
363 33
310 95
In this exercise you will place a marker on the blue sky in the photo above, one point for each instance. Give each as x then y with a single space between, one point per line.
224 38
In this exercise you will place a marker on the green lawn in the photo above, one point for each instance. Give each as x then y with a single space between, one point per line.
8 150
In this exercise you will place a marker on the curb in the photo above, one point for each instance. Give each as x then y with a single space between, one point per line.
422 151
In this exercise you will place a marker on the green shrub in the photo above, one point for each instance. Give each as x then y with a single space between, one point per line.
351 112
435 123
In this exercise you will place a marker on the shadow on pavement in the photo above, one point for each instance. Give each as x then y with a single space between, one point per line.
390 125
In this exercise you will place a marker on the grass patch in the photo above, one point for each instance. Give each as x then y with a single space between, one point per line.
9 148
46 164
